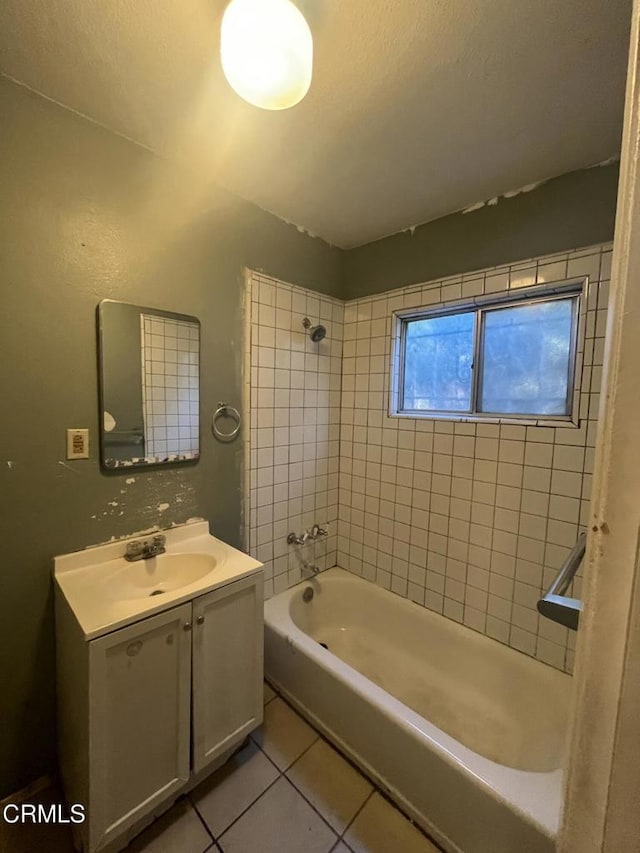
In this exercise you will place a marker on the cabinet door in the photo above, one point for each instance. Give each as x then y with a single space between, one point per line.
139 687
227 667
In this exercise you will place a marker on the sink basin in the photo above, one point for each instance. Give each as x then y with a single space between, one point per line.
105 592
157 576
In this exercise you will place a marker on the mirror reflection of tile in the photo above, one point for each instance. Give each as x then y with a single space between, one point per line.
170 355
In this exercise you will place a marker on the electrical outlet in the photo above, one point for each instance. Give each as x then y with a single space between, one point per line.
77 444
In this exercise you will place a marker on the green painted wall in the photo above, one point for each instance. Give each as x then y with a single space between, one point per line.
574 210
86 215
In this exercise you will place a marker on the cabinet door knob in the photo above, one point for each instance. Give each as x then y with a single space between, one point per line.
200 620
187 626
134 648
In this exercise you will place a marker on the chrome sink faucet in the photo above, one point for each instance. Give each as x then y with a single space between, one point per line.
144 549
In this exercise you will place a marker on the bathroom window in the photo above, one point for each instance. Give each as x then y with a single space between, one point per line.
507 358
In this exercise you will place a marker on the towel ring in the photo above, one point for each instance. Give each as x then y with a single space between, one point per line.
225 410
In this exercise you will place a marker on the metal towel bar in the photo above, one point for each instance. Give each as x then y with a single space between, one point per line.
555 604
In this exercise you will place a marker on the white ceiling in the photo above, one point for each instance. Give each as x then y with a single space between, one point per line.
417 108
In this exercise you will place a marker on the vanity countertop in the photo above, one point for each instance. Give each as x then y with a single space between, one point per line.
106 592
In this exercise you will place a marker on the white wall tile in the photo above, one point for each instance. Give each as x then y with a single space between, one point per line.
497 505
292 453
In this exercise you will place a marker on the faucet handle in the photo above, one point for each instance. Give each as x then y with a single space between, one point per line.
316 531
159 540
294 539
134 549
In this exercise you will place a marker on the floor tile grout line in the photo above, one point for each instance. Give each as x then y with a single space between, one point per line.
409 820
304 751
202 821
294 786
271 698
320 736
358 812
251 804
290 781
313 806
283 775
289 766
332 746
344 756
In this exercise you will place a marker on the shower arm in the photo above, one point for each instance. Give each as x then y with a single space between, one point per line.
555 605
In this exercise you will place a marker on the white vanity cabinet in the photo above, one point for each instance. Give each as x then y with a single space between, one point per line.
147 710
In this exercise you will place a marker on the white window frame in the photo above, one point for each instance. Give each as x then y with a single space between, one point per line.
481 305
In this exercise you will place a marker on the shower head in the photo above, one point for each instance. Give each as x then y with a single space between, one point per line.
316 333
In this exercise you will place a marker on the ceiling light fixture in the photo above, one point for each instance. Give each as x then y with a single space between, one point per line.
267 52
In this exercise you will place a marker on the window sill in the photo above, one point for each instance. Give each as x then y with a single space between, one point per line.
559 422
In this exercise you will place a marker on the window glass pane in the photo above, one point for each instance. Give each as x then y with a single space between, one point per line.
526 358
437 370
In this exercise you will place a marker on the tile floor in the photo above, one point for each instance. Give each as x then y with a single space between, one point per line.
286 791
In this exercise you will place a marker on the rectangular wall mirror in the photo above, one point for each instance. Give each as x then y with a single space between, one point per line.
149 363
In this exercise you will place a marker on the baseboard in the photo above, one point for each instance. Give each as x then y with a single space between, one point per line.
22 796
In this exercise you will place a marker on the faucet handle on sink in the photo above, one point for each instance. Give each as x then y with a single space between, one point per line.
134 549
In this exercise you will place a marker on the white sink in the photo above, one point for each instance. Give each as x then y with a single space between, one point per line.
106 592
157 576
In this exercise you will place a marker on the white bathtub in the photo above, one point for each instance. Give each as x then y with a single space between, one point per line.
464 733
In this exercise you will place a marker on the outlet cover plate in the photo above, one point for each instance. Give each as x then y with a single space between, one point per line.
77 444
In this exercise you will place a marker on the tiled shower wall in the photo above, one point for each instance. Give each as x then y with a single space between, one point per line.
292 397
471 520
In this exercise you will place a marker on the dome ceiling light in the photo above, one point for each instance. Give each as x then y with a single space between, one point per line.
267 52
